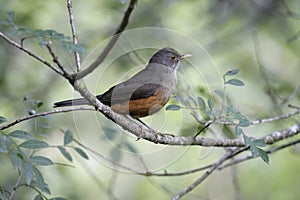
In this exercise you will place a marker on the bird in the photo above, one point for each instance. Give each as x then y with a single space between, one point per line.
146 92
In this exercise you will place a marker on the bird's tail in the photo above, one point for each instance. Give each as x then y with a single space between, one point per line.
72 102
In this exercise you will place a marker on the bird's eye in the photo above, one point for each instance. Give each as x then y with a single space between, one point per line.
173 57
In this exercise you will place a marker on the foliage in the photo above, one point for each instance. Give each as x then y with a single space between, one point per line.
225 31
23 149
225 113
43 36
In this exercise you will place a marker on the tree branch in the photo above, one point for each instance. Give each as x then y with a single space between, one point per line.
280 135
27 51
272 119
269 89
111 43
74 33
203 177
28 117
142 132
17 184
55 60
248 157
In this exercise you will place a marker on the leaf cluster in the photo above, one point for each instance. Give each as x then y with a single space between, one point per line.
22 147
43 36
223 112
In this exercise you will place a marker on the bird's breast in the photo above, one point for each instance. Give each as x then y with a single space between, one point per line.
145 106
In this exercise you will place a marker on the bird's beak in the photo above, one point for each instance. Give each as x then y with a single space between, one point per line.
185 56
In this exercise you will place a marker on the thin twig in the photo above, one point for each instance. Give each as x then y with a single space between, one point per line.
282 134
291 96
293 106
207 124
203 177
30 53
248 157
102 186
134 51
233 162
272 119
17 184
262 68
289 12
28 117
254 122
74 33
235 183
35 189
111 43
105 158
55 60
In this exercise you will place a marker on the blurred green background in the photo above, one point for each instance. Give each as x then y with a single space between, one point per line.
228 30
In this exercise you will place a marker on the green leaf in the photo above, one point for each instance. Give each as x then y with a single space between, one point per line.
17 158
235 82
81 153
38 197
232 72
11 16
208 112
109 132
41 160
180 100
68 138
50 32
244 122
173 107
229 109
58 198
3 196
46 188
2 119
254 151
116 154
201 102
219 93
192 100
34 144
5 23
259 143
210 103
130 147
238 130
27 172
38 177
5 143
71 47
263 154
44 125
247 140
24 32
65 153
38 103
38 32
21 134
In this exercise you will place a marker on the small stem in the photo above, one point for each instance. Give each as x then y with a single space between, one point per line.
30 53
17 184
110 44
74 33
203 177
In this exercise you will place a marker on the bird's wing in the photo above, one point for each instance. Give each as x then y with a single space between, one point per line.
124 92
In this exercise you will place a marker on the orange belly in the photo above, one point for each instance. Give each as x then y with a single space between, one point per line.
145 106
